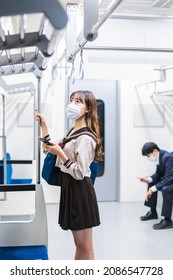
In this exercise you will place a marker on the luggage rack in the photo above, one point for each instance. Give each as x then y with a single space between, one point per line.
35 47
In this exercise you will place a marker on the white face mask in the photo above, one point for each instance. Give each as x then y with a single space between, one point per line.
152 158
74 111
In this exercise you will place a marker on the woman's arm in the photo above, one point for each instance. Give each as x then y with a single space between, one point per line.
56 150
44 128
41 119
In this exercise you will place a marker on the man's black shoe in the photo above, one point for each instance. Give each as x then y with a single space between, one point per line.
149 216
163 224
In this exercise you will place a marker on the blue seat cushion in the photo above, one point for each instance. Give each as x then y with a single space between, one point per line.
21 181
9 171
38 252
9 174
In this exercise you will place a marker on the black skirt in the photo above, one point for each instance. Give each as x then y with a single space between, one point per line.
78 204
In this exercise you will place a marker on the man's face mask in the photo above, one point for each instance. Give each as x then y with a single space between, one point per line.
152 158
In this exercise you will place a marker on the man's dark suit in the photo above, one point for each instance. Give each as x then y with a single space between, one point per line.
163 180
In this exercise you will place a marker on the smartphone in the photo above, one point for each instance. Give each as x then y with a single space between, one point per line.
45 141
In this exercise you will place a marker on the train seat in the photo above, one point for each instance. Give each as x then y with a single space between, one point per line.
25 239
10 180
24 253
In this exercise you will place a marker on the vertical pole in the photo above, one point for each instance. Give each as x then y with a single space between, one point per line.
38 131
35 124
67 95
35 108
4 145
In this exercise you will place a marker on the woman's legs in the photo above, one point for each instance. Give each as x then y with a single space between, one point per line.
84 244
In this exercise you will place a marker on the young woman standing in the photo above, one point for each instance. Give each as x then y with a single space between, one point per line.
78 204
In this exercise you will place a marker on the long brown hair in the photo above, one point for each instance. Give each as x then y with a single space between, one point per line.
91 118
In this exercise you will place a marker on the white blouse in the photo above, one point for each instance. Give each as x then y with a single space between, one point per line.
80 152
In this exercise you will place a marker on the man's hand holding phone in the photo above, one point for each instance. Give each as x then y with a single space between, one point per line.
143 179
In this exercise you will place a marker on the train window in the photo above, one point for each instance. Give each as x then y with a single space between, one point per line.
101 116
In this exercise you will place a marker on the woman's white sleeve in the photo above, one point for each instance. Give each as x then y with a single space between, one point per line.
84 154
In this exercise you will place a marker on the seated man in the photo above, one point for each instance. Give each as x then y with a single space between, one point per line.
162 181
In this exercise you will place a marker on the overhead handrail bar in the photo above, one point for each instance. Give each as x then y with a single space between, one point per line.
12 68
108 13
22 37
133 49
8 55
41 31
164 93
23 58
23 67
22 27
52 42
2 33
95 28
50 49
162 76
23 53
43 25
4 41
36 52
2 70
168 68
148 83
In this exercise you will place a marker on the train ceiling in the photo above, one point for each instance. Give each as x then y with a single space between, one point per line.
36 59
152 8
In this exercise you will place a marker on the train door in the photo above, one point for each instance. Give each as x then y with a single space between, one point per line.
106 92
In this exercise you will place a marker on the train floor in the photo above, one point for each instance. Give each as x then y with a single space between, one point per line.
121 235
